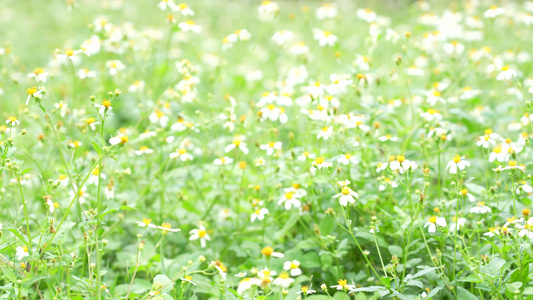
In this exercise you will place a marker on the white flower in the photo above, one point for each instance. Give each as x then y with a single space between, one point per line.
12 121
401 164
158 117
270 147
346 195
146 223
460 223
494 11
237 143
367 15
324 38
190 26
457 162
325 133
293 266
182 154
506 73
480 208
433 221
388 137
114 66
259 214
319 163
431 114
464 192
22 252
381 166
223 161
119 139
326 11
305 155
164 4
201 234
282 36
144 150
290 199
347 158
39 75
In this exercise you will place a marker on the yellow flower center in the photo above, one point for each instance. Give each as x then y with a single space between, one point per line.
289 195
345 190
12 119
432 219
147 221
342 282
319 160
31 90
457 159
505 68
267 251
106 103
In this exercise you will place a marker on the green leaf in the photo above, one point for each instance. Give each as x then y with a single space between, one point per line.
168 285
395 250
514 287
470 278
8 272
463 294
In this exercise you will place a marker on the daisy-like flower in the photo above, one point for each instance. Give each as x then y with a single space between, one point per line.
146 223
293 267
347 158
326 11
114 66
200 233
431 114
237 143
527 229
158 117
460 224
82 194
104 107
50 203
39 75
484 141
464 192
325 133
144 150
480 208
381 166
305 290
513 165
283 280
432 223
182 154
223 161
36 93
494 11
343 285
270 147
120 139
190 26
305 156
457 162
188 278
299 48
493 231
324 38
247 283
12 121
164 4
22 252
506 73
269 251
346 195
267 10
166 228
259 214
94 177
433 97
401 164
184 9
319 163
388 137
290 199
498 154
282 36
367 15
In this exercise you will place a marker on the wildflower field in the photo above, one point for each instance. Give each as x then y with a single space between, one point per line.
266 150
